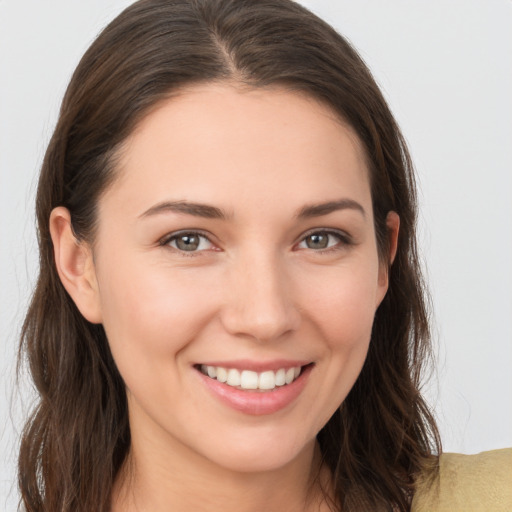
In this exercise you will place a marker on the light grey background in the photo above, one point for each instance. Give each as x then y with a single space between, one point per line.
446 69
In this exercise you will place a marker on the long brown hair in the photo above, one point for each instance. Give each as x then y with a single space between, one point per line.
382 436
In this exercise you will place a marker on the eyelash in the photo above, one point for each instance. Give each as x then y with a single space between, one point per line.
344 240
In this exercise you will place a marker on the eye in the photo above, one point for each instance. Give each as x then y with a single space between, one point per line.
321 240
188 242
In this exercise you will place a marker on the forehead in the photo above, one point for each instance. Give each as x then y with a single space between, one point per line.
244 145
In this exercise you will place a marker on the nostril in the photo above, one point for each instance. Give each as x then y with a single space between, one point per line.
258 325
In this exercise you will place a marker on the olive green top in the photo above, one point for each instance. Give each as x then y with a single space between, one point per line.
469 483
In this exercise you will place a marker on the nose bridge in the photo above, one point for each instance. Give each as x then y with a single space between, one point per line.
259 303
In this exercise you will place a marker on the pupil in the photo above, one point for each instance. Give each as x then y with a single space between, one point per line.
188 242
317 241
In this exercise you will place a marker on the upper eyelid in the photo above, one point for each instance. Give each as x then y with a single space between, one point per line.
175 234
325 230
330 231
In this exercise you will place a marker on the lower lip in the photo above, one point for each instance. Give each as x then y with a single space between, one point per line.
257 403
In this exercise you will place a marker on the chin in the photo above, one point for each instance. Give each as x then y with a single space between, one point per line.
269 452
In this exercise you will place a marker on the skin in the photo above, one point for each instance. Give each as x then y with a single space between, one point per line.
255 289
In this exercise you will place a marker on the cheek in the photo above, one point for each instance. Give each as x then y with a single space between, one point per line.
150 314
342 304
341 312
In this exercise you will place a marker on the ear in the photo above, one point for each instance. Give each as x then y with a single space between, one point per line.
75 265
393 227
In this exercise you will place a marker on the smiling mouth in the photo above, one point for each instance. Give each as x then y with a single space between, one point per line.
249 380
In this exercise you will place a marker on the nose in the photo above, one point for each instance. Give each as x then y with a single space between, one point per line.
260 303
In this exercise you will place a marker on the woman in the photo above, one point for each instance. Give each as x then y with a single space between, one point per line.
229 310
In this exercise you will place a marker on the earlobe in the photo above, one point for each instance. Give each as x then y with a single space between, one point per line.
75 265
393 227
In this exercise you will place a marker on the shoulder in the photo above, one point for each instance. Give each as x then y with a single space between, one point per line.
468 483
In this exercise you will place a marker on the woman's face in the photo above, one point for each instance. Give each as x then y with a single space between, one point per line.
238 241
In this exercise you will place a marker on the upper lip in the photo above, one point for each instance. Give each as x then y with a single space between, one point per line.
257 366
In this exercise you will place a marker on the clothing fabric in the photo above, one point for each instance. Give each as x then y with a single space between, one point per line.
468 483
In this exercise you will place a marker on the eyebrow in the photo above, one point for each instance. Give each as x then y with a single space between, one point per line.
317 210
212 212
197 209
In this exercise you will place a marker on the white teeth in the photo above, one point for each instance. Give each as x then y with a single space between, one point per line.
281 377
248 379
267 380
222 374
233 378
